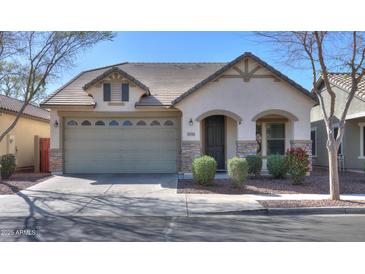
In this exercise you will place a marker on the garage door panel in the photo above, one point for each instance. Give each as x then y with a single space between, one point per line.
92 166
107 146
120 149
125 134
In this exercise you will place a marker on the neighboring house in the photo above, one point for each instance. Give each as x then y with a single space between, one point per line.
156 117
20 141
352 150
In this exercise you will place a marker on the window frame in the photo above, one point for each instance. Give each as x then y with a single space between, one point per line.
279 139
315 141
362 141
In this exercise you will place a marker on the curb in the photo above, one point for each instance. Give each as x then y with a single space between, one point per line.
289 211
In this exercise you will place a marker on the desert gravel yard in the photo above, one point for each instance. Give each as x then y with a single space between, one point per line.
310 203
316 183
20 181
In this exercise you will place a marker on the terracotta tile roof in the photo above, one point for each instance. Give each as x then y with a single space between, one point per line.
343 80
14 105
167 83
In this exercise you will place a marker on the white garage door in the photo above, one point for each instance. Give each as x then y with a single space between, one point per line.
135 145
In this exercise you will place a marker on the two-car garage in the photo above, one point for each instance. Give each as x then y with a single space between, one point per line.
120 145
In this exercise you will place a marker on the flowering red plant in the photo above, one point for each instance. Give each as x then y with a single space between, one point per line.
298 164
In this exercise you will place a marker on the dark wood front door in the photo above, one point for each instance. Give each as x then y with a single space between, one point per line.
214 139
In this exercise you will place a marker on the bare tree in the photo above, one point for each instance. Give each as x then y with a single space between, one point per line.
325 52
39 56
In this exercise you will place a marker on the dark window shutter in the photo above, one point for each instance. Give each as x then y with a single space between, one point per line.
313 138
107 92
125 92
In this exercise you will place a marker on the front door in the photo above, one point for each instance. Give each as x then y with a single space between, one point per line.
214 139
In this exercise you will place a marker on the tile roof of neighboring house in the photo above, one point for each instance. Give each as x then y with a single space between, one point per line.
343 80
167 83
14 105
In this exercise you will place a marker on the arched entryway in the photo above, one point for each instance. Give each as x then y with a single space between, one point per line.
274 130
219 135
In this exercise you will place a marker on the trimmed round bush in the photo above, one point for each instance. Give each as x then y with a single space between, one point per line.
254 164
204 169
7 164
298 164
238 170
277 166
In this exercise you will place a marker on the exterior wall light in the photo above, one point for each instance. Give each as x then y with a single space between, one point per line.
190 122
55 123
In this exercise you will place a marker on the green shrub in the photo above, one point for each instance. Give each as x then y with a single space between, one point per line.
7 163
254 164
204 169
277 166
298 164
238 170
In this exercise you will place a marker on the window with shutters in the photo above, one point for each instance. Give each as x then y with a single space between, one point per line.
107 92
125 92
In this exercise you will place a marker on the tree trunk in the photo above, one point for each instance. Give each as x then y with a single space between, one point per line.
333 172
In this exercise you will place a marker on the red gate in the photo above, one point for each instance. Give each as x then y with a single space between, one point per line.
44 154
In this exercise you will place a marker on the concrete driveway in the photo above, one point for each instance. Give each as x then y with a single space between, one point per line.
116 195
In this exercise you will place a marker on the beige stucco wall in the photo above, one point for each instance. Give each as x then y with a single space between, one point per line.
246 99
24 133
231 137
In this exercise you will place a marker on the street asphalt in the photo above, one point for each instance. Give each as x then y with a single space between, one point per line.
167 228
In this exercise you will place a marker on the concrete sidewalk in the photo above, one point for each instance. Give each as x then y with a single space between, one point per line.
131 195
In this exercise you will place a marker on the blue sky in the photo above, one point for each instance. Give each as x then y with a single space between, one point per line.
179 47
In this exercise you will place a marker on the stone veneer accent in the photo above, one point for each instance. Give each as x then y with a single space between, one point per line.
55 160
306 145
189 150
244 148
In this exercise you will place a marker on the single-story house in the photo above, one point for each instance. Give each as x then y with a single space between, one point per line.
156 117
20 141
352 149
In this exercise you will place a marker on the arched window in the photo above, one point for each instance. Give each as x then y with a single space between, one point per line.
86 123
141 123
168 123
72 123
155 123
127 123
99 123
113 123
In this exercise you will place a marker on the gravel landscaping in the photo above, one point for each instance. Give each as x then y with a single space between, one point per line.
20 181
310 203
316 183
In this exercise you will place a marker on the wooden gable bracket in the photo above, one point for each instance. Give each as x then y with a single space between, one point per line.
247 74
